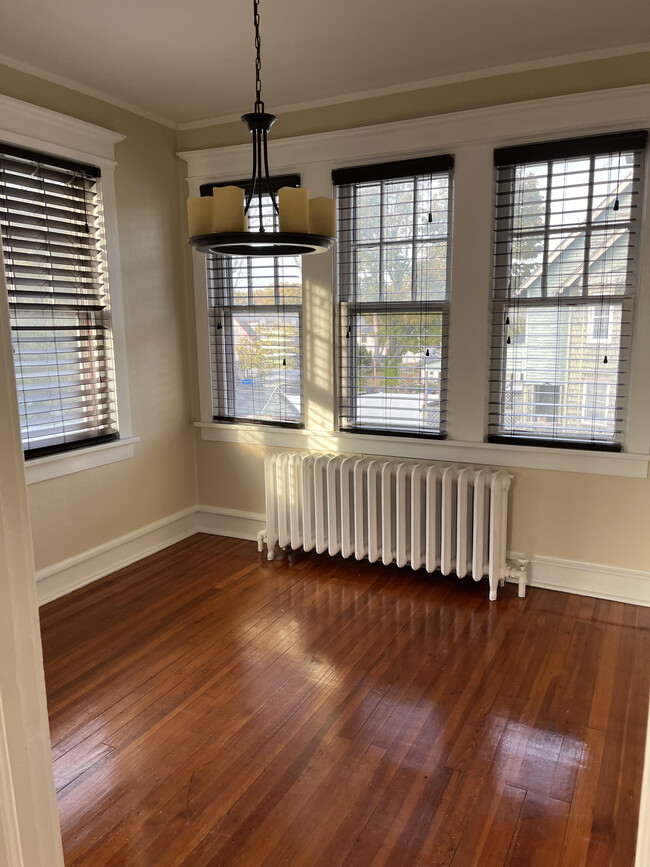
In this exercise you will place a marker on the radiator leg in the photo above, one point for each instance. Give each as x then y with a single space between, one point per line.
502 581
261 539
493 594
270 552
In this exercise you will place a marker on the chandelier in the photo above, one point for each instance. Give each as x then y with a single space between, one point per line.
219 223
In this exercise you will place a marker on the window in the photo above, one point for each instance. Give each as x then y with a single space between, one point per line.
53 243
565 262
393 274
255 330
597 403
599 326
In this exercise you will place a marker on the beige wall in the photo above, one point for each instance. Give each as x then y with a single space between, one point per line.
74 513
581 517
593 519
589 518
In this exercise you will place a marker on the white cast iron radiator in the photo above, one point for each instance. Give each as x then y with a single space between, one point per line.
429 515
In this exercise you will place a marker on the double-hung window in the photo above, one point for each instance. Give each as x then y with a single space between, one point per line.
255 314
394 227
567 245
53 245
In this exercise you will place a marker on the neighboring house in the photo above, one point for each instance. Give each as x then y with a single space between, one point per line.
562 360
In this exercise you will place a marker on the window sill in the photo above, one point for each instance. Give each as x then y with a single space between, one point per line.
633 466
53 466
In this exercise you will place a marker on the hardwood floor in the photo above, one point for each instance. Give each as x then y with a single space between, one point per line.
210 708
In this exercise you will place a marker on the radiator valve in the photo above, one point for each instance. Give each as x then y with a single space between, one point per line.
519 573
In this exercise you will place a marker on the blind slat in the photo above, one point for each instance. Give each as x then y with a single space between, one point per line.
256 331
564 285
393 287
58 301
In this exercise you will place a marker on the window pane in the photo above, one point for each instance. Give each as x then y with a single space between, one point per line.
558 358
53 246
566 241
255 334
393 279
398 371
266 376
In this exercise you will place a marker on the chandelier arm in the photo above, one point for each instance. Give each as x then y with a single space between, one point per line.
251 191
258 179
269 185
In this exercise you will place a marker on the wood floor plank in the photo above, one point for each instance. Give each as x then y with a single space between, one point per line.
209 707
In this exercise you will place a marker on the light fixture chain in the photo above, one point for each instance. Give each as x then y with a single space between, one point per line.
259 105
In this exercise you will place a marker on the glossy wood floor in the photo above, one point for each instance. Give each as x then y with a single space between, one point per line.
210 708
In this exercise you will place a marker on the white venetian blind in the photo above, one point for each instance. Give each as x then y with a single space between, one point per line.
565 276
394 245
52 242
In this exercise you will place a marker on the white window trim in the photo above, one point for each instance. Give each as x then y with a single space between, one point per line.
587 400
40 129
76 460
591 321
471 136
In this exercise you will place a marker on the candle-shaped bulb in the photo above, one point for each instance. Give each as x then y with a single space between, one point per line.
228 210
322 217
293 204
199 215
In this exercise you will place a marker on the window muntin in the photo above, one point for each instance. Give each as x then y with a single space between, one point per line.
393 274
53 245
566 244
255 312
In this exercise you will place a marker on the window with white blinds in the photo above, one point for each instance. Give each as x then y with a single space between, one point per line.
394 229
53 246
565 275
255 313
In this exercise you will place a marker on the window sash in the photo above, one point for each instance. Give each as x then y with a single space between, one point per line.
407 405
241 309
51 224
597 278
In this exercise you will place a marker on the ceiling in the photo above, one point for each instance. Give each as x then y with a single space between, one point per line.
187 61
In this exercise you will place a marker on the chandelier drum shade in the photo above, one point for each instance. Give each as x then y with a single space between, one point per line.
219 223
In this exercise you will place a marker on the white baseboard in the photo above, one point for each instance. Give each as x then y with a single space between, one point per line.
68 575
587 579
551 573
229 522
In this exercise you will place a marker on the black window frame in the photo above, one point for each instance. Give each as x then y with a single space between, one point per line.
350 310
54 249
508 160
222 312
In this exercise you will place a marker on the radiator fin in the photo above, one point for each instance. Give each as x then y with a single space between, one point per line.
443 518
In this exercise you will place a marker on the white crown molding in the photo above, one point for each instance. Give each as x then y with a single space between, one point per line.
24 124
341 99
584 113
438 81
84 89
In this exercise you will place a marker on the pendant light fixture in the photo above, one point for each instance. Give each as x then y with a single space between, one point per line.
219 223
